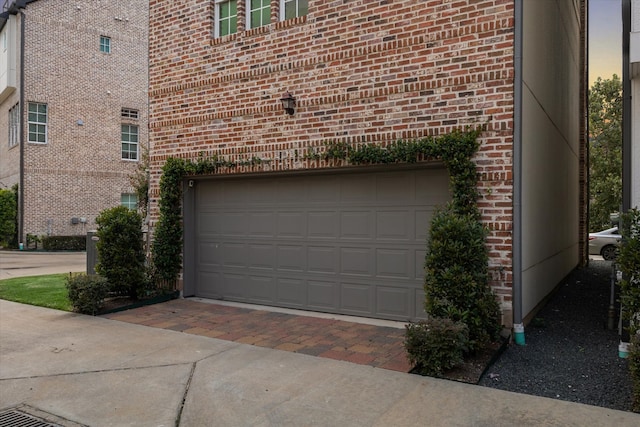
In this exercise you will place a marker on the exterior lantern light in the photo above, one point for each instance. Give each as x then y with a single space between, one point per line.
288 103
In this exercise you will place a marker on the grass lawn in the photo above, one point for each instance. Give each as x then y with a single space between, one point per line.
45 291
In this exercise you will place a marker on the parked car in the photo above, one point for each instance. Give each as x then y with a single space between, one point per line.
605 243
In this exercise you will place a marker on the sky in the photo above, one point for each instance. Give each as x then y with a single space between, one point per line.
605 39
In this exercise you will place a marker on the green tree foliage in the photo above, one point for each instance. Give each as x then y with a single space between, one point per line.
121 257
8 213
605 151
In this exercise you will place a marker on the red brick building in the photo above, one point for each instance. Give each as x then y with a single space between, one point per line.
283 229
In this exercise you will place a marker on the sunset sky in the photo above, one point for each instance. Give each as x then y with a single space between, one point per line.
605 39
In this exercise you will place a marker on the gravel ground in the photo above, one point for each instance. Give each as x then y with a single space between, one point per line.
569 353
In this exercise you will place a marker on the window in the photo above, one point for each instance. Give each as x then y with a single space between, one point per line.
37 122
105 44
258 13
14 125
293 8
129 113
129 142
226 17
129 200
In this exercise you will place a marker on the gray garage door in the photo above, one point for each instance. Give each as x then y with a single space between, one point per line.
340 243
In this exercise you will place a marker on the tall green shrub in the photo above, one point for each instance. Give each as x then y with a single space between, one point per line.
120 250
629 263
457 278
8 213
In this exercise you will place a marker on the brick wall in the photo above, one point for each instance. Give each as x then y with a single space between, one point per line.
79 172
362 71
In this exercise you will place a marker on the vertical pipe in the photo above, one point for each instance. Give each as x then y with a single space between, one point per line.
518 326
21 136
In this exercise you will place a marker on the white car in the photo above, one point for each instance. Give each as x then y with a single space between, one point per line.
605 243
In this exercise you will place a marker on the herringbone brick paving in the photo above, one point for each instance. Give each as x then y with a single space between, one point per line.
377 346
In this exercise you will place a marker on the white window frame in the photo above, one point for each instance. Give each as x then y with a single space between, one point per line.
283 5
14 125
216 30
41 127
105 44
129 152
248 11
129 200
129 113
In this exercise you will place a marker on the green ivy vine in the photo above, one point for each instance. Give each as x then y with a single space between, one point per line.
455 149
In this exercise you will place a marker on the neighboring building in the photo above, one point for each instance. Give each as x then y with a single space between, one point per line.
319 235
631 75
73 108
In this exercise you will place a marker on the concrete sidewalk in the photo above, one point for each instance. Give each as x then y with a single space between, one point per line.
99 372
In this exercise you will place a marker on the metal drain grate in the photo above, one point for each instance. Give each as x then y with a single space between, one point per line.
15 418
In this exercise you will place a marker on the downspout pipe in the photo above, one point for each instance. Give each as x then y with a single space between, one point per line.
518 325
22 136
623 347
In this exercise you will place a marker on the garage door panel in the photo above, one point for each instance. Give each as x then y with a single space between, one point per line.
232 223
292 258
345 243
260 288
393 301
357 262
233 254
261 224
357 298
323 295
323 224
356 225
394 225
393 263
292 224
358 190
262 257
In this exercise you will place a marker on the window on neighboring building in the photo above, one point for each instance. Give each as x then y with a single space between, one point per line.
105 44
129 142
14 125
38 122
129 200
258 13
129 113
226 15
293 8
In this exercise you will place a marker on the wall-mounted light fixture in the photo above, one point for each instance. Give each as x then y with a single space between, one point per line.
288 103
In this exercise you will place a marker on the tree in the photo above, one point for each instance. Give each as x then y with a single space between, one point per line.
605 151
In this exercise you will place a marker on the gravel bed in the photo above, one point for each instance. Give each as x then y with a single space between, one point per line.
569 353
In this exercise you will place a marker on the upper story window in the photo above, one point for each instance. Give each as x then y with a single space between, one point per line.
129 138
129 200
14 125
226 17
105 44
37 122
258 13
129 113
293 8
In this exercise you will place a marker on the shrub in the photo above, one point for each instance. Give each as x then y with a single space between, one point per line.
87 293
629 263
121 258
456 276
64 243
436 345
8 213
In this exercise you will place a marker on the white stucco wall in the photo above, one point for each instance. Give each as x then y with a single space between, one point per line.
550 146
